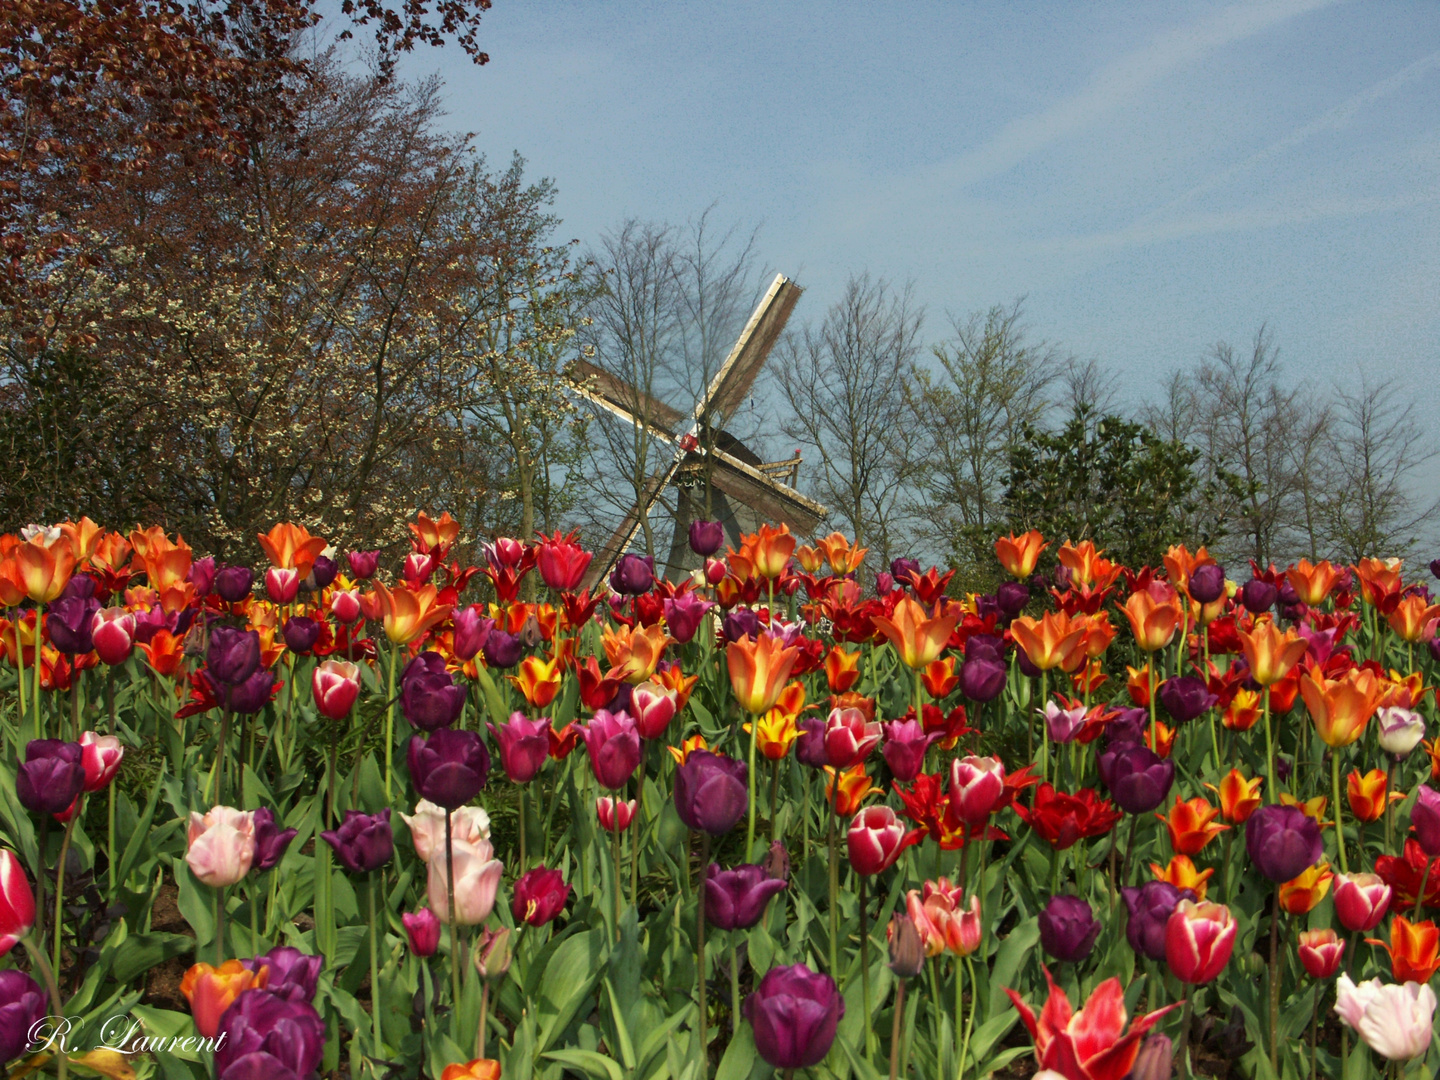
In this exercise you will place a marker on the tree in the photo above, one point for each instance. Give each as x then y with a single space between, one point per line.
844 383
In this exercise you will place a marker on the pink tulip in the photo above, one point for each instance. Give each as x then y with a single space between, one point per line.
423 930
221 845
477 878
1361 901
875 839
17 902
468 825
100 755
112 632
1198 940
282 584
1394 1020
345 605
336 685
849 738
944 922
608 809
976 786
653 707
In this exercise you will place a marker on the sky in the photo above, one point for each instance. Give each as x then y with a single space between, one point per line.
1151 177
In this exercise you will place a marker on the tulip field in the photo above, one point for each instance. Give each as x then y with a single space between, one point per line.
323 813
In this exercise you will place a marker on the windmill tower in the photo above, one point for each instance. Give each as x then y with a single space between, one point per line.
744 490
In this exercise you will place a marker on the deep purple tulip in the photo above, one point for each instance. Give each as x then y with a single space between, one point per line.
1258 596
1207 583
202 575
1068 928
683 614
985 647
613 743
1283 768
904 749
736 899
363 564
471 630
633 574
232 655
810 746
1435 567
81 586
794 1013
250 696
982 677
52 776
1129 725
1282 841
740 623
322 573
448 768
68 624
987 605
706 537
363 842
1022 661
1012 596
710 794
301 633
524 745
22 1005
270 842
264 1036
503 650
901 569
429 698
233 583
1063 578
1137 777
1425 819
294 975
1150 906
1185 697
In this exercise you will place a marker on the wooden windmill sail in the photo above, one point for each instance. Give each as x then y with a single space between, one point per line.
745 490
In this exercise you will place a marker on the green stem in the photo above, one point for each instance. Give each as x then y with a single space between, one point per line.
60 879
1339 814
834 885
970 1019
895 1029
1044 727
865 969
375 975
774 800
750 780
615 823
57 1007
390 718
700 951
1274 987
959 1017
39 637
1269 750
450 911
734 986
219 926
484 1018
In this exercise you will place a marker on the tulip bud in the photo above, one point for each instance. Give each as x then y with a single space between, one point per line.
221 846
875 839
1258 596
884 583
1400 730
1361 901
493 953
714 571
633 574
301 633
502 650
1320 952
1068 928
907 950
233 583
976 786
794 1013
112 633
710 792
706 537
1207 583
270 842
336 685
777 861
1156 1058
471 629
653 707
1199 939
322 573
363 564
282 584
615 814
1281 841
232 655
423 930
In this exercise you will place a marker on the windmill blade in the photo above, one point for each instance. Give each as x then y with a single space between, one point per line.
606 558
604 389
770 499
741 368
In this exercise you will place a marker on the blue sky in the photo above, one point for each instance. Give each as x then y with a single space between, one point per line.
1153 177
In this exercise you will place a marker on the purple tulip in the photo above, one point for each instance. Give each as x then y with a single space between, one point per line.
613 743
982 677
363 564
1022 661
1012 596
263 1035
322 573
1128 725
1425 819
1291 607
633 574
81 586
740 623
901 569
986 605
233 583
503 650
301 633
52 776
68 624
884 583
22 1005
736 899
810 746
904 749
294 975
232 655
1156 1060
1207 583
777 861
1258 596
270 842
1137 777
449 767
1063 578
250 696
471 630
363 842
1185 697
683 614
710 793
429 698
706 537
1282 841
1150 906
1068 928
524 745
794 1013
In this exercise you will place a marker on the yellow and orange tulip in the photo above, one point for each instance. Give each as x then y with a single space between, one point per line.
1019 554
1054 640
759 670
1181 873
1340 708
916 636
634 654
1270 653
1300 896
290 546
1191 824
1154 615
1312 582
408 613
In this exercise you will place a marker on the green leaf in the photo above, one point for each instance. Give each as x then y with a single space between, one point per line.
739 1056
622 1031
587 1061
196 902
1009 960
143 951
569 979
493 704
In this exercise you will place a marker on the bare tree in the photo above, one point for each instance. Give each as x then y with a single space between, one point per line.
1086 388
844 383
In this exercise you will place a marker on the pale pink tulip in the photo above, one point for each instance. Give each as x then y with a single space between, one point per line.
468 825
1394 1020
221 845
477 879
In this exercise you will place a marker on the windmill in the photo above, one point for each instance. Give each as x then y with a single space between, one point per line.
744 490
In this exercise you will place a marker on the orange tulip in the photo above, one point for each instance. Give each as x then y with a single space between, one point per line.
1164 740
918 638
678 683
1378 578
166 563
1403 691
759 670
855 788
841 555
1098 634
290 546
45 564
1181 873
408 613
940 678
1413 619
1270 653
1180 564
853 700
435 537
1191 823
24 627
110 552
538 680
1432 750
479 1069
1414 949
1137 684
165 652
1312 582
1367 794
1019 554
211 990
1087 566
842 669
1054 640
1300 896
1243 711
773 548
12 583
84 536
634 654
1341 707
1154 615
686 748
1239 798
1090 678
809 558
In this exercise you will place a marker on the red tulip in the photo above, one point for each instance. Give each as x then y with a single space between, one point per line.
281 584
849 738
17 902
653 707
345 605
336 685
112 632
423 930
1320 952
876 839
1198 940
977 784
100 756
540 895
562 562
1361 901
609 810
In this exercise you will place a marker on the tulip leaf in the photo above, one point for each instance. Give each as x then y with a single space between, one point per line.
143 951
621 1029
140 837
196 902
739 1056
17 821
1010 961
589 1062
989 1033
493 703
569 979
